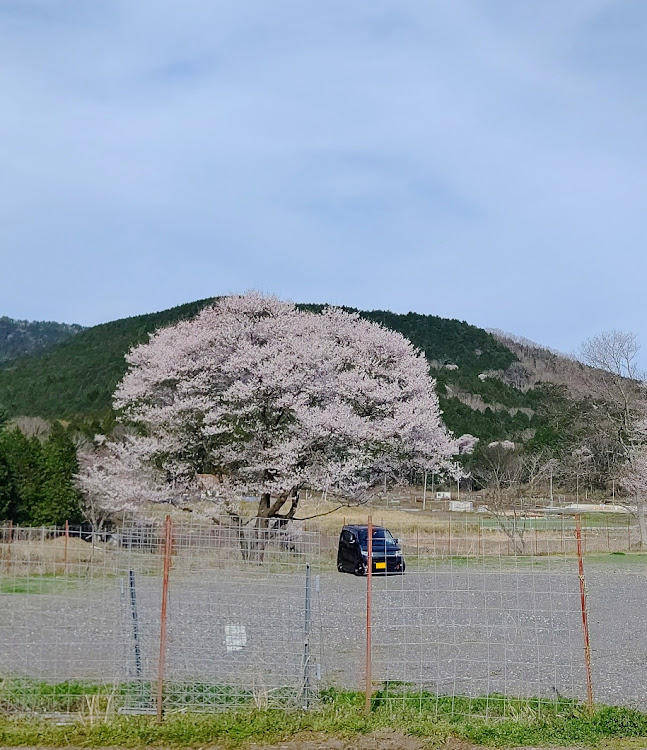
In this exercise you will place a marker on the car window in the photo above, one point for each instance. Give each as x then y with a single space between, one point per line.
379 534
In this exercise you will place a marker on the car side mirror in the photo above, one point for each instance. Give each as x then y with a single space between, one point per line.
397 541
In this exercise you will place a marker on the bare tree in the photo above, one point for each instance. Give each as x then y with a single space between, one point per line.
620 388
536 467
500 472
618 382
633 477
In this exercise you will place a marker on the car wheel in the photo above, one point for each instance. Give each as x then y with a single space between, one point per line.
340 567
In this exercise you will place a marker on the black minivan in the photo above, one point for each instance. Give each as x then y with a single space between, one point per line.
352 554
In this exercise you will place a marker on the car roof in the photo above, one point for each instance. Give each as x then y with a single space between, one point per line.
357 526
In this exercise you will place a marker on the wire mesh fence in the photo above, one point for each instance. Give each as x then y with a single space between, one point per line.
480 634
207 617
242 617
470 534
486 620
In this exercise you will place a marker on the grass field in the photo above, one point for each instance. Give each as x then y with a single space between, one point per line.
339 714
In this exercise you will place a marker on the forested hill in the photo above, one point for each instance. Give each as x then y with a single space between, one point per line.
76 378
18 337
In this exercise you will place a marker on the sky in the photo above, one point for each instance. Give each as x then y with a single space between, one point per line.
476 159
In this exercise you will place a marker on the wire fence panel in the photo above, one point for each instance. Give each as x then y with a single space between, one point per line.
476 634
474 534
492 630
81 619
487 619
243 613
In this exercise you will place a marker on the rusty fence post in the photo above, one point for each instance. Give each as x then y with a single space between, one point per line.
67 536
369 606
168 542
608 538
10 540
585 616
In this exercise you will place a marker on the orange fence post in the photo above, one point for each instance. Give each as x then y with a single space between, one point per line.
168 542
585 617
67 536
369 605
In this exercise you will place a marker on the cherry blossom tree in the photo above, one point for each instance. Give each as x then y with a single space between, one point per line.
466 444
112 480
271 399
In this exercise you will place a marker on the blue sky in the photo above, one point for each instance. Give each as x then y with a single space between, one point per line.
477 159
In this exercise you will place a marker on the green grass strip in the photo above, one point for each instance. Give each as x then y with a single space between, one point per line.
341 714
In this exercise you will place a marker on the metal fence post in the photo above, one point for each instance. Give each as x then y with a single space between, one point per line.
305 695
628 534
369 605
135 619
67 536
10 540
449 538
585 618
168 540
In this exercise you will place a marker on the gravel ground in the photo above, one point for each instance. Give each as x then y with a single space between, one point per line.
475 630
459 629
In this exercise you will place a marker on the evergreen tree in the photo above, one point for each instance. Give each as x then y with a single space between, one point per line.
59 499
36 479
23 458
7 490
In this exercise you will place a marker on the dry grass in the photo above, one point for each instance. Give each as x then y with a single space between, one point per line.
329 517
54 557
52 551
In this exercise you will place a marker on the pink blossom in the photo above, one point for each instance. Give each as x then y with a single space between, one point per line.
275 399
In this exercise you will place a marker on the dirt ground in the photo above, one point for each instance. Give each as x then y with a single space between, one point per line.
390 740
383 740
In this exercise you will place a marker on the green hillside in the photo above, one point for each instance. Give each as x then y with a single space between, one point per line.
18 337
76 378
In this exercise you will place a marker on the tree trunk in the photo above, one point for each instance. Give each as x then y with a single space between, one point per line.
253 547
642 523
269 509
242 538
264 505
261 531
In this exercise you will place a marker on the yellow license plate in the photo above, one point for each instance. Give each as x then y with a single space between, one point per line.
380 566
